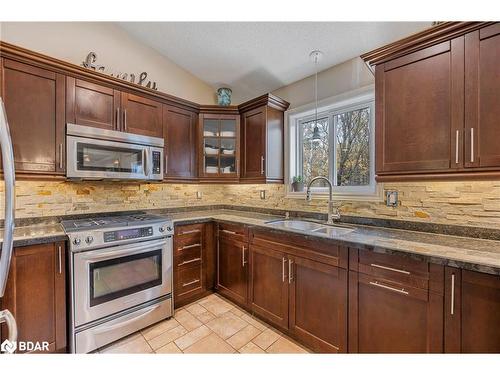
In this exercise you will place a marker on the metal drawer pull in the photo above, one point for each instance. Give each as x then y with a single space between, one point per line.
191 282
189 261
402 291
189 246
290 271
191 231
389 268
456 147
262 164
228 231
243 261
60 259
283 270
472 145
452 303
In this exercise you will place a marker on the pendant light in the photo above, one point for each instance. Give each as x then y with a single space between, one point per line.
315 56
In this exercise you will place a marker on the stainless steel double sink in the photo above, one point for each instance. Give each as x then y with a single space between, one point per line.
331 230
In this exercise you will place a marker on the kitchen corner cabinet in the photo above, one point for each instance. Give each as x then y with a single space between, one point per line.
194 262
36 294
472 312
104 107
262 139
35 106
437 107
232 263
219 147
179 129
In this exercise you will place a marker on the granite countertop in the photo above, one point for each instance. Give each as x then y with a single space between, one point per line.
465 252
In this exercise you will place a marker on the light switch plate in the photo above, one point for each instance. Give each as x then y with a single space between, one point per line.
262 194
199 195
391 198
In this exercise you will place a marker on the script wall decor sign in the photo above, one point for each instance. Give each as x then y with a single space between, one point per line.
90 63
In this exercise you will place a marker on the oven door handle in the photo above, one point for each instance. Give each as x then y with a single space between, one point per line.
123 250
102 330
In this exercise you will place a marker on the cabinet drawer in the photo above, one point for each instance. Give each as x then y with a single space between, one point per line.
189 256
189 229
189 280
395 268
233 232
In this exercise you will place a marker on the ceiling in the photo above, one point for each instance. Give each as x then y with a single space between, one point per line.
253 58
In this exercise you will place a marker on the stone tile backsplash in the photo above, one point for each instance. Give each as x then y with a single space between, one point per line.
474 203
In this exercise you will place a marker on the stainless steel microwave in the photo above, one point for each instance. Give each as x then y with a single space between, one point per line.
100 154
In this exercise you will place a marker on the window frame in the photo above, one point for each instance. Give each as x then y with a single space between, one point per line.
330 107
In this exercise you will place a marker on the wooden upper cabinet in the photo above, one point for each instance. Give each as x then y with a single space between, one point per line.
472 312
91 104
414 116
141 115
482 91
268 296
179 130
36 294
34 102
262 139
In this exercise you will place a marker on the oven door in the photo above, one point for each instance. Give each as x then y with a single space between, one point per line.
100 159
111 280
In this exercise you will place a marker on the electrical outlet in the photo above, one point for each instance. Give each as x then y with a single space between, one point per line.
262 194
391 198
199 195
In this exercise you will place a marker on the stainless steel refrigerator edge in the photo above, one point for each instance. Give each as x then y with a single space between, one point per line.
7 243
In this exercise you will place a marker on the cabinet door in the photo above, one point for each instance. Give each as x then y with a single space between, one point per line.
318 305
387 317
482 88
418 109
472 312
254 143
34 102
36 294
232 270
141 115
268 295
93 105
179 131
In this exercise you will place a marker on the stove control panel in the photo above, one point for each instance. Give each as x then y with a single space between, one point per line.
127 234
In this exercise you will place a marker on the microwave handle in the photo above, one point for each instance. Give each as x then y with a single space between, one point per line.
145 154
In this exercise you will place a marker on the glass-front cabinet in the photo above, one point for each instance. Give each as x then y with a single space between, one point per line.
219 146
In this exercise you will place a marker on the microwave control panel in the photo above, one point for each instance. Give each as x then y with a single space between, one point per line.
156 162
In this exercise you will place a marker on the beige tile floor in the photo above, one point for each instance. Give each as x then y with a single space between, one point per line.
210 325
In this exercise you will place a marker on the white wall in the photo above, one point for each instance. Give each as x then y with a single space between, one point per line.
117 50
338 79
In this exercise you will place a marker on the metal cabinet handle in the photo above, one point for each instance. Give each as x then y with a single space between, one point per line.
262 164
472 145
60 259
290 271
189 261
191 282
456 146
243 261
228 231
283 269
125 120
189 246
166 163
191 231
389 268
117 125
452 300
61 156
376 283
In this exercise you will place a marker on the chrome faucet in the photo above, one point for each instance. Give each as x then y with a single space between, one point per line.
333 212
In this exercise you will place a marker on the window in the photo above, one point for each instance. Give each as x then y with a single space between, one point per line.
340 146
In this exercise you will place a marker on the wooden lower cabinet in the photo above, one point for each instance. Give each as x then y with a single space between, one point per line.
36 294
269 284
232 270
472 312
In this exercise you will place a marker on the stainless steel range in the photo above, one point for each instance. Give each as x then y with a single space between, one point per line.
121 277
